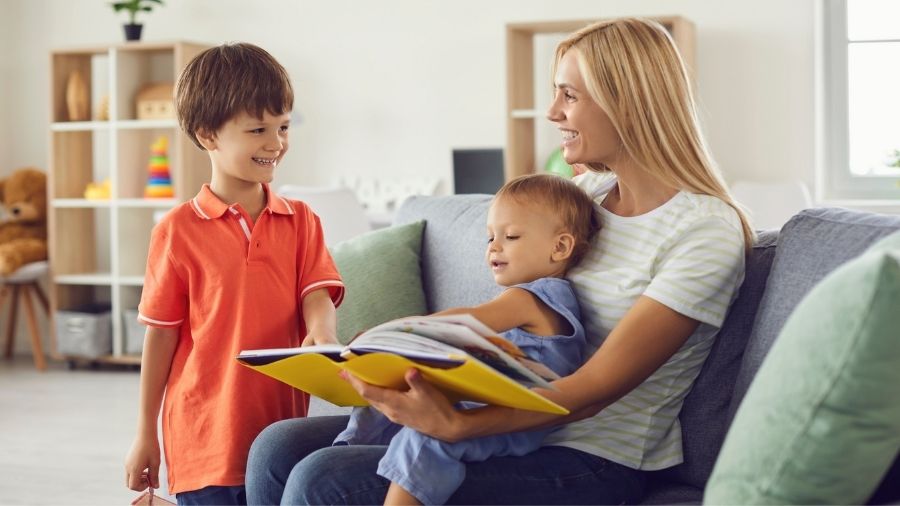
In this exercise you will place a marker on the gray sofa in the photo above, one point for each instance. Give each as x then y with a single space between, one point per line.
781 269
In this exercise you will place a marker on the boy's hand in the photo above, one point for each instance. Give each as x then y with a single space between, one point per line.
312 339
142 464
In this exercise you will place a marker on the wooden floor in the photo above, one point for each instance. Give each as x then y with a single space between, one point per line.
64 433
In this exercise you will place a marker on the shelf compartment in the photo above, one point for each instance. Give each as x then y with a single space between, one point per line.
79 241
138 67
133 243
68 296
133 160
93 66
79 157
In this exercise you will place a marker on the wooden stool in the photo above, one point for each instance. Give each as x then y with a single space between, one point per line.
20 283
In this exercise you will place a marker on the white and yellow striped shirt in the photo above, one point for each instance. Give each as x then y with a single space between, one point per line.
687 254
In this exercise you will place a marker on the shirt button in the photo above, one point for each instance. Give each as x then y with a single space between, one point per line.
257 244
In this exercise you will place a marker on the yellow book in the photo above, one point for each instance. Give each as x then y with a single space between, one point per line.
457 354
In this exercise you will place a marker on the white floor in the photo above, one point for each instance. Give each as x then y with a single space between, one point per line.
64 434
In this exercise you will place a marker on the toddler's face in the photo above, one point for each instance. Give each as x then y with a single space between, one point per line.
521 241
249 148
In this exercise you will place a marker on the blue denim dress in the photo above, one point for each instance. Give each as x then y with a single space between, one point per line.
431 469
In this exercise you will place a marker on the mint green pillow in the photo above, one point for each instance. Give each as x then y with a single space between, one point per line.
382 276
821 421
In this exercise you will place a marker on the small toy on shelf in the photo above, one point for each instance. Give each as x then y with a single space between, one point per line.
102 109
77 97
159 184
98 191
155 101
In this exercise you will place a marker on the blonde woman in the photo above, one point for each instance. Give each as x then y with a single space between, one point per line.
653 290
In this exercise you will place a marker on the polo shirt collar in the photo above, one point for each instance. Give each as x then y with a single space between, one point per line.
208 206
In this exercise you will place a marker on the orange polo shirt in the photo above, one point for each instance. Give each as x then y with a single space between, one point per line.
229 284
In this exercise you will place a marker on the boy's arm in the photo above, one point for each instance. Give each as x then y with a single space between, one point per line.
320 318
513 308
156 360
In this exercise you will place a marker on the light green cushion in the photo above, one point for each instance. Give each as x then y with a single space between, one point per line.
821 421
382 277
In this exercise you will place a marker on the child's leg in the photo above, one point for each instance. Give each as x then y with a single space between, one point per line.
367 426
431 470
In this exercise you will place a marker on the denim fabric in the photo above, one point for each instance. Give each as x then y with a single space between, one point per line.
291 462
213 495
431 469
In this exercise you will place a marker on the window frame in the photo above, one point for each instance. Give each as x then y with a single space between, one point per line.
834 180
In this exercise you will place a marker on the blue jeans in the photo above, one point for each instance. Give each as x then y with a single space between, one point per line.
212 495
293 462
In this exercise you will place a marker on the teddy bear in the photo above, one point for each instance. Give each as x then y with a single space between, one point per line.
23 234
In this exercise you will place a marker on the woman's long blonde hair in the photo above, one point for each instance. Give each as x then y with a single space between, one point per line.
634 72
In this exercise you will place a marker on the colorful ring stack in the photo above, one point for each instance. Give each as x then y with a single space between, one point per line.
159 184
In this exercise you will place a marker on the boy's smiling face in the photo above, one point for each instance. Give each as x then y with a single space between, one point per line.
247 148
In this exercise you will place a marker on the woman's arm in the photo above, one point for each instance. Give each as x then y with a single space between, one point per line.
646 337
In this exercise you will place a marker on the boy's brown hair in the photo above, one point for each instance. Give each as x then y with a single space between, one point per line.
224 81
560 196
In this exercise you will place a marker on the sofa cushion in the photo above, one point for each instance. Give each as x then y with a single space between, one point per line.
821 420
704 416
454 272
810 245
382 275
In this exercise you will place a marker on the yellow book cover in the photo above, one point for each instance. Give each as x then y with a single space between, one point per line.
458 354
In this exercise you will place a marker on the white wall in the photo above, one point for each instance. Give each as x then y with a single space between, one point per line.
388 88
7 83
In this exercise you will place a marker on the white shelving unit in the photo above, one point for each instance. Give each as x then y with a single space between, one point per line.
98 248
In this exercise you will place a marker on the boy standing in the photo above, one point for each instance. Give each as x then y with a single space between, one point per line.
237 267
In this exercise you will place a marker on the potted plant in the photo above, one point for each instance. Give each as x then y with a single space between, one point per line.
133 29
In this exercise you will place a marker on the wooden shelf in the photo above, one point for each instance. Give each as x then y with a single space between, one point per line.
80 203
140 124
98 248
524 115
79 126
147 203
94 279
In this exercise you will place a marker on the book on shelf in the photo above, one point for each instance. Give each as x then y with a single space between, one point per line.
458 354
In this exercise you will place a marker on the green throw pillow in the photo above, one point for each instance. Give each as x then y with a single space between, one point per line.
821 421
382 276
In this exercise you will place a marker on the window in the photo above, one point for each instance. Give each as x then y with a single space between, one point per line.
860 100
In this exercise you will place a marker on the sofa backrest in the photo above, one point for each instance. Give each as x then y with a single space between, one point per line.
454 272
811 245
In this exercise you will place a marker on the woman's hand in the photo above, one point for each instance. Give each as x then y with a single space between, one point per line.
422 407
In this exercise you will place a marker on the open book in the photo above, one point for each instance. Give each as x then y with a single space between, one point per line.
458 354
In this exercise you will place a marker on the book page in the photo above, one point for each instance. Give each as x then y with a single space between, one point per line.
455 331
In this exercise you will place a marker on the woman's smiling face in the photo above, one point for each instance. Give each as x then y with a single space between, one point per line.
588 135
